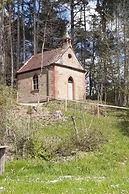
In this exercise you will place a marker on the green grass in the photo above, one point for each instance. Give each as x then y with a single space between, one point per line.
102 171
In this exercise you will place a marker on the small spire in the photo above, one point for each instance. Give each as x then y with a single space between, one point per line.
67 39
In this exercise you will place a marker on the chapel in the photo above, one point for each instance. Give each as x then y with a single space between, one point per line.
54 74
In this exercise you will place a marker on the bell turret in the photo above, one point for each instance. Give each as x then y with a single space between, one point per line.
67 40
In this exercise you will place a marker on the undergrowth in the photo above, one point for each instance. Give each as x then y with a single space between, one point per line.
89 156
33 134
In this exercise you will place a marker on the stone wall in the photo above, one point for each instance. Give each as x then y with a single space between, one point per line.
62 75
53 83
26 93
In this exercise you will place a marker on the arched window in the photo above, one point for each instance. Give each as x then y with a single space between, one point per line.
35 82
70 80
70 88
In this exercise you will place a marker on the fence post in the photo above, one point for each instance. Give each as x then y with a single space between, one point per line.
96 110
66 104
2 159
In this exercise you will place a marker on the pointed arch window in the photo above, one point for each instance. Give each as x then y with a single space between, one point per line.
70 80
70 88
35 82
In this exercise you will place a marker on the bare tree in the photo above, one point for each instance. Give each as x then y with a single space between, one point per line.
18 33
2 51
35 28
11 48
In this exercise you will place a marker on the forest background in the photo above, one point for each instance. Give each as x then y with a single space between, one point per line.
100 39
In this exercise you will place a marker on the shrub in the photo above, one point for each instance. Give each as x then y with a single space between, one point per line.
88 140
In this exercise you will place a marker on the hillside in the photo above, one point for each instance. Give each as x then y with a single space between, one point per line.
89 155
42 129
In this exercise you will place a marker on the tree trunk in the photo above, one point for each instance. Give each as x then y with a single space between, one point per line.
35 31
2 50
72 19
11 48
125 56
24 38
18 34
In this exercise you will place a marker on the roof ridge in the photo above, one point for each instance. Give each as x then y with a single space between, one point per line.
51 50
45 52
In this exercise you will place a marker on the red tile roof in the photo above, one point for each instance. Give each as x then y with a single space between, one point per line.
49 57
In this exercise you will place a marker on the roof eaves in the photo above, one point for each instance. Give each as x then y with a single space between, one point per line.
30 70
69 67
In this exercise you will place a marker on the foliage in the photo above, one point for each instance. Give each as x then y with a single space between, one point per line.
7 98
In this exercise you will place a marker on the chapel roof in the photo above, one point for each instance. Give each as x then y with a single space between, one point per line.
49 57
40 60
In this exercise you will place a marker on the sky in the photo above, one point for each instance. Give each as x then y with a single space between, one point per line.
90 10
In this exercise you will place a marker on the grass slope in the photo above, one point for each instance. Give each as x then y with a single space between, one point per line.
105 170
